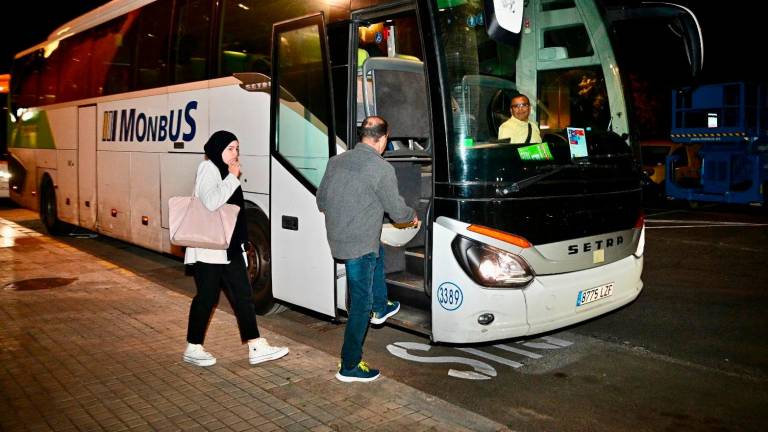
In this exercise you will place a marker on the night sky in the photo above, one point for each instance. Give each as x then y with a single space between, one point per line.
26 23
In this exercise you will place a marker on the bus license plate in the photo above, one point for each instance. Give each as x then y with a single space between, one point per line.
594 294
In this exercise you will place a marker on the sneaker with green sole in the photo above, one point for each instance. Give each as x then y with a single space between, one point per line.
393 307
360 373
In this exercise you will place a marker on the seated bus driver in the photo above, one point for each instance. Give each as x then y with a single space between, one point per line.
518 128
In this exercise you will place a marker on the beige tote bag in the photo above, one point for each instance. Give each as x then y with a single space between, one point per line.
193 225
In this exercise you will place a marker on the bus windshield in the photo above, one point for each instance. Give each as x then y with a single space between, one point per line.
570 106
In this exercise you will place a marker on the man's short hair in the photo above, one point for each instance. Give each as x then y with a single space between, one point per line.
520 95
373 127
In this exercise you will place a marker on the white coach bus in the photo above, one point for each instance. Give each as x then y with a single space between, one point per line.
109 115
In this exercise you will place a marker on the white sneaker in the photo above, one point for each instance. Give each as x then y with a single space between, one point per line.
260 351
197 355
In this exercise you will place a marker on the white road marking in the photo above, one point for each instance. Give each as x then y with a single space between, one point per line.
540 345
556 341
523 352
680 223
467 375
700 222
488 356
720 245
400 349
481 370
704 226
649 215
697 224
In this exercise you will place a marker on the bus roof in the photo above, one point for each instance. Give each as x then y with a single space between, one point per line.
97 16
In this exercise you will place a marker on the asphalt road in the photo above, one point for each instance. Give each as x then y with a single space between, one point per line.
689 354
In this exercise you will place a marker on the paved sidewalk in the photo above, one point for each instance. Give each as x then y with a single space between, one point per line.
86 345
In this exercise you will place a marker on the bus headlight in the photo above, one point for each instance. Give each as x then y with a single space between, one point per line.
489 266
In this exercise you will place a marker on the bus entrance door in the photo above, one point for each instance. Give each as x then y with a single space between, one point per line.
301 142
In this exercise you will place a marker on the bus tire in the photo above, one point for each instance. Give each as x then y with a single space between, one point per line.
48 212
260 262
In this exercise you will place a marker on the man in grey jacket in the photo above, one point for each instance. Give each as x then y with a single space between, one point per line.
358 187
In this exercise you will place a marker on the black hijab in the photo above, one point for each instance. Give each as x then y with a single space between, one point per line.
213 150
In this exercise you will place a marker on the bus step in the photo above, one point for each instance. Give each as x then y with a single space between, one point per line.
417 252
408 293
406 279
414 261
413 319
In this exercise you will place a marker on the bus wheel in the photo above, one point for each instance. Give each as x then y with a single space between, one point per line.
48 213
260 263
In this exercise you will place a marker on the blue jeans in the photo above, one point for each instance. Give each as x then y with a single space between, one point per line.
367 292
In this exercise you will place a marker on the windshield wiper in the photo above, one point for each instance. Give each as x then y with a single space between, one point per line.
612 156
522 184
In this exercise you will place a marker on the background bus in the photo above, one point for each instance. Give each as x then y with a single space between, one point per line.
110 115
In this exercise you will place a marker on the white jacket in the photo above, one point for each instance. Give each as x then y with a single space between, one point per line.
213 192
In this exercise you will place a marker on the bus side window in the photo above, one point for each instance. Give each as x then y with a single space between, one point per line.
24 92
338 45
190 41
120 57
75 72
49 78
245 37
152 45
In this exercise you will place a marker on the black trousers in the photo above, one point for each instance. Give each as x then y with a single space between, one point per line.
209 279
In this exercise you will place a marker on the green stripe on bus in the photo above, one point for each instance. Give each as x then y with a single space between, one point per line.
34 132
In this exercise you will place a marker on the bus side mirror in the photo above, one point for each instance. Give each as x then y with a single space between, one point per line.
680 20
504 19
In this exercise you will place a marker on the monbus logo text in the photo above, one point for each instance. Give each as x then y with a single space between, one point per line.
128 125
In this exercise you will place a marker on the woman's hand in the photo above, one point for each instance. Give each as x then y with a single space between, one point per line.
234 167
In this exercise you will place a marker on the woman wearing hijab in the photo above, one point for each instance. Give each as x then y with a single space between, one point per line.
216 184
